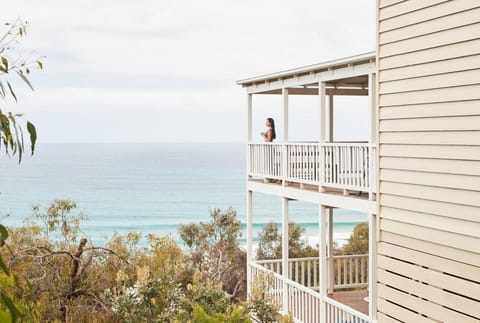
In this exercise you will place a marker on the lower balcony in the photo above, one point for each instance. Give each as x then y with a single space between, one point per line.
347 168
298 294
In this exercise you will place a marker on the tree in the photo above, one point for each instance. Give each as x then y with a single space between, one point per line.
215 251
358 242
270 242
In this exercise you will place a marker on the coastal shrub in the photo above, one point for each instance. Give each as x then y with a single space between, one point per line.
62 276
357 244
215 252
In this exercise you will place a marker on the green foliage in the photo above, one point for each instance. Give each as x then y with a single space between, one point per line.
11 132
238 314
358 242
270 242
205 301
66 278
215 251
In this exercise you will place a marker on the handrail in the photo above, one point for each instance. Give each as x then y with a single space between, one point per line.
272 261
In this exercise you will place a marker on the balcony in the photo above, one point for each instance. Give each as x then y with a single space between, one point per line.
346 167
298 294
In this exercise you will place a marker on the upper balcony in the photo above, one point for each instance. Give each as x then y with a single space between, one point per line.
346 167
325 162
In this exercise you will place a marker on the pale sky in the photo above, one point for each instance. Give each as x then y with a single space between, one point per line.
163 71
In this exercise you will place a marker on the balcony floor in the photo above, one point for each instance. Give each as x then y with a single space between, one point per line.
314 188
355 299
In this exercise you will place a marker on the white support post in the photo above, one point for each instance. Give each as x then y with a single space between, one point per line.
323 263
372 138
285 135
249 131
285 253
330 118
372 267
249 240
321 94
331 272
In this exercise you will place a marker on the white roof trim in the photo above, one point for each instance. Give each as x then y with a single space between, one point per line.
309 68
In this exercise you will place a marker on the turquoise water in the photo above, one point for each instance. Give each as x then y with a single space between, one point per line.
145 187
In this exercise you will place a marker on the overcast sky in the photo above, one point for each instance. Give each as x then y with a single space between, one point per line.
154 71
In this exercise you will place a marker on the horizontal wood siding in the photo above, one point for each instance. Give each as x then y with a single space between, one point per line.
428 60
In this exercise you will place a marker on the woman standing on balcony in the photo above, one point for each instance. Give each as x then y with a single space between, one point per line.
270 134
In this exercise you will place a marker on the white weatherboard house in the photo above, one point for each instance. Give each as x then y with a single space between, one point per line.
417 177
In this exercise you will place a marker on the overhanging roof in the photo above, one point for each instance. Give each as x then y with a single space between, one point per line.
338 63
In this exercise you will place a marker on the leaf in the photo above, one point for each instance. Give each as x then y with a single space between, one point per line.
40 64
3 235
33 135
4 267
11 307
22 76
5 63
2 90
11 91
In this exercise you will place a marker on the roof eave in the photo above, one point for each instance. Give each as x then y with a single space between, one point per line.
309 68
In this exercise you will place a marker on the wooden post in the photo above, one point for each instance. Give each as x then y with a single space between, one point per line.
285 135
323 263
249 131
331 272
372 267
321 94
285 253
249 240
330 118
372 138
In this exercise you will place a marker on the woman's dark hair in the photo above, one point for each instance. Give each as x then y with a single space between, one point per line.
272 124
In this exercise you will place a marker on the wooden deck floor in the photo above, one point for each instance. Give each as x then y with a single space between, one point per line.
355 299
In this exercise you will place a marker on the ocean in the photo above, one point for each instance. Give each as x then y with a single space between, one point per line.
146 187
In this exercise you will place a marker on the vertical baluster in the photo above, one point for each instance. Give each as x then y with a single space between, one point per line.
331 164
356 176
303 274
290 271
358 158
361 161
340 165
356 270
267 162
344 157
274 160
362 270
296 272
336 159
349 165
309 274
350 264
366 176
339 279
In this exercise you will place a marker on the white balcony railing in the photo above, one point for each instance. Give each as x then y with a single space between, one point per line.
349 166
349 271
303 303
266 160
